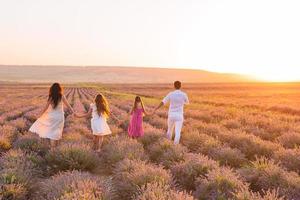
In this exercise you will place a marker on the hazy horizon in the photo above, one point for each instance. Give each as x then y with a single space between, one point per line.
116 74
128 66
250 77
258 38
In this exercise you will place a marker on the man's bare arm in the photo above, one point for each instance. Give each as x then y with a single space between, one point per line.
158 107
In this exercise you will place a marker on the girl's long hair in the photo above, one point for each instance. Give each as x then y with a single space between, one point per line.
137 100
102 105
55 94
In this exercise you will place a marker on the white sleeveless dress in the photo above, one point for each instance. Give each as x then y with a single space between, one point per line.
51 123
99 123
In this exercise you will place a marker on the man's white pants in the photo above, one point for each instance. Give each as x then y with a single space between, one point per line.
175 121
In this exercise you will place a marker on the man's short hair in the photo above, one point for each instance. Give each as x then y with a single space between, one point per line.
177 85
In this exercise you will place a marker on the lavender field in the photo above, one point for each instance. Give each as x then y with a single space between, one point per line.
239 142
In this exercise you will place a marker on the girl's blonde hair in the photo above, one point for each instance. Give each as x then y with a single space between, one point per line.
137 100
102 105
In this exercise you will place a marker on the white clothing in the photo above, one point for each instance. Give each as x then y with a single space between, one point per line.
175 122
99 123
177 100
51 123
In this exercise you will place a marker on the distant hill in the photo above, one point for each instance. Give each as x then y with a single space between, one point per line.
71 74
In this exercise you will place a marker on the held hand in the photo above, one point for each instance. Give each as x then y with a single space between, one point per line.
153 112
74 114
149 115
119 121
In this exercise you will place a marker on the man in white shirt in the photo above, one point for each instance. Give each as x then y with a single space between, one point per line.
177 100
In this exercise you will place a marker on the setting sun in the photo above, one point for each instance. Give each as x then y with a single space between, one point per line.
279 77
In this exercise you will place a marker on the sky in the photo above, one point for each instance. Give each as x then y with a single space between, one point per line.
255 37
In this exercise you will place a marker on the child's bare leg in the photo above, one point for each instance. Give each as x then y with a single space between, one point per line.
101 138
47 142
44 141
96 142
53 143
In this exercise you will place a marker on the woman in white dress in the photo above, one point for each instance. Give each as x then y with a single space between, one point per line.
100 112
51 122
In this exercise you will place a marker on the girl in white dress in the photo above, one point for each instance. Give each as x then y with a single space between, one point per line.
51 122
100 112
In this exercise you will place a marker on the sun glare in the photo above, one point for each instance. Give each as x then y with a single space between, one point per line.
278 77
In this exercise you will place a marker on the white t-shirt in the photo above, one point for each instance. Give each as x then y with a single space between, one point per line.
177 100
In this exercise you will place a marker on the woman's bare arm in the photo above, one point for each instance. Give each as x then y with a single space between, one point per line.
87 114
66 103
158 107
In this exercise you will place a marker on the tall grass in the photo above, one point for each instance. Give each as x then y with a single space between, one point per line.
156 191
164 152
73 185
71 157
18 174
264 174
194 166
131 175
119 148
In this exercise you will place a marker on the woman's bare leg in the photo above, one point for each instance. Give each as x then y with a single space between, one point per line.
48 142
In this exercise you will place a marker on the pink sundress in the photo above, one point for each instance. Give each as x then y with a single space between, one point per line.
135 128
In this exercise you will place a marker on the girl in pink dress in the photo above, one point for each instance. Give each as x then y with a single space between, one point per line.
135 128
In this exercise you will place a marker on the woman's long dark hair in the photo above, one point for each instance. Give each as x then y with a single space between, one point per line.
55 94
102 105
